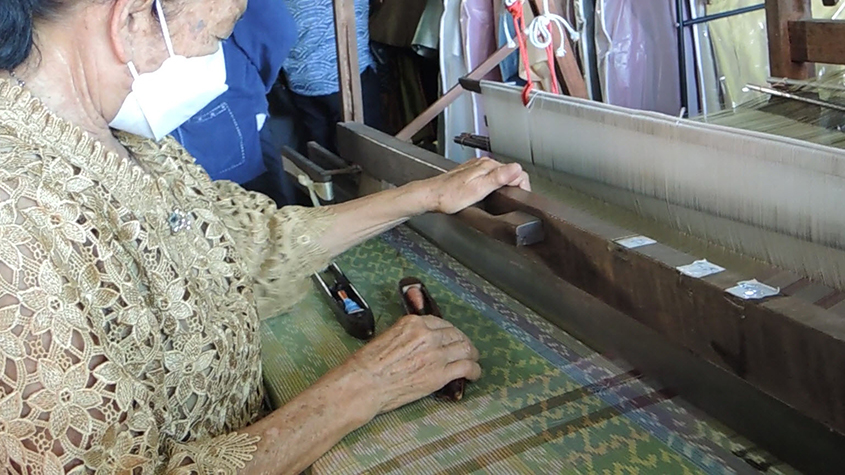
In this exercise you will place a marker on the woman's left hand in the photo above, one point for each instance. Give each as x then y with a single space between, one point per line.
471 182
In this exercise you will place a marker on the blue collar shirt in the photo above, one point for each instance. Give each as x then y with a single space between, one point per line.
224 136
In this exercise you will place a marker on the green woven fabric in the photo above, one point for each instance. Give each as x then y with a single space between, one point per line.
546 403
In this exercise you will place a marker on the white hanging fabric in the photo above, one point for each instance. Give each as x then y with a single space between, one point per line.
458 116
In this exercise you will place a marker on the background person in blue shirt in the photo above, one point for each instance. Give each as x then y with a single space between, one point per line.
234 138
312 75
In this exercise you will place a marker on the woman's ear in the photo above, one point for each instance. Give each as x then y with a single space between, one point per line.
128 20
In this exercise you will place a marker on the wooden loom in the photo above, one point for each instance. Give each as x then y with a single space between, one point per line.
749 363
780 358
796 40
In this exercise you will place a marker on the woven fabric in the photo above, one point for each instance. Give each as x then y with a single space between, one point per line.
545 404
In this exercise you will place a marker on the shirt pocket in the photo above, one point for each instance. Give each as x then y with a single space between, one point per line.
215 139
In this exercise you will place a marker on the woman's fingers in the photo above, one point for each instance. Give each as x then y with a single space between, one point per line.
522 181
447 336
473 181
460 350
451 341
504 174
468 369
436 323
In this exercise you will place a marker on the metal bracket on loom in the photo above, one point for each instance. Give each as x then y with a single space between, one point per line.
315 177
385 158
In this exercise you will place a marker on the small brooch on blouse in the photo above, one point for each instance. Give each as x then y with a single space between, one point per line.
179 221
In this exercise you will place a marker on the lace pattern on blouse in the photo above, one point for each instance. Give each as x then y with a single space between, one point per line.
128 346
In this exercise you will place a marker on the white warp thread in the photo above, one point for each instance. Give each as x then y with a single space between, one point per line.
776 199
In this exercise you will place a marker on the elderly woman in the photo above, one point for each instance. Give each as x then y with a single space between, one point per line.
131 284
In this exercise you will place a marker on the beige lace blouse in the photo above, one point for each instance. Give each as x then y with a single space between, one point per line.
129 301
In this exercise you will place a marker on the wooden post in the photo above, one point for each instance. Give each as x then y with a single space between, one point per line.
778 15
352 108
817 41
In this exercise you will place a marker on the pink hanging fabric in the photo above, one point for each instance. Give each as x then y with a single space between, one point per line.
478 28
637 46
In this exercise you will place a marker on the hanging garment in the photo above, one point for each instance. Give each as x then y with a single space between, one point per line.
394 22
426 40
478 31
637 50
458 117
741 49
708 85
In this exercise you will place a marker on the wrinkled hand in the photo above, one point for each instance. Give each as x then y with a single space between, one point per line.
472 181
415 358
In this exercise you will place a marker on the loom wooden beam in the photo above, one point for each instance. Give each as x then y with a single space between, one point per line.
351 98
452 94
573 80
817 41
784 346
778 15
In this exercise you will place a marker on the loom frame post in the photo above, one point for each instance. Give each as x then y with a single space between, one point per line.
410 130
349 78
797 40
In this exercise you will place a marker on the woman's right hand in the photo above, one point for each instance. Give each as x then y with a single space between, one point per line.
414 358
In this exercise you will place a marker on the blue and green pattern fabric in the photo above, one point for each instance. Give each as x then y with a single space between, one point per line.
546 404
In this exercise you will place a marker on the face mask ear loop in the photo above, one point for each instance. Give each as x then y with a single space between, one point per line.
132 69
164 30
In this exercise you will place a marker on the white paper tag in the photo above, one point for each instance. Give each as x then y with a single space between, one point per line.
699 269
635 242
753 290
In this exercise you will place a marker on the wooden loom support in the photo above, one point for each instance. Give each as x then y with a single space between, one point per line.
784 346
351 98
443 102
796 40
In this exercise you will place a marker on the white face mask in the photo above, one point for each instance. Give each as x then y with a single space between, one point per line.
166 98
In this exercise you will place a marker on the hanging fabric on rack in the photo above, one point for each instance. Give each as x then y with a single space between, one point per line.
636 44
458 116
405 40
394 22
509 68
540 35
584 24
479 40
426 41
537 49
740 46
707 80
741 49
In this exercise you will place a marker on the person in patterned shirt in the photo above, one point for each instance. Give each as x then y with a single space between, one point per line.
312 74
